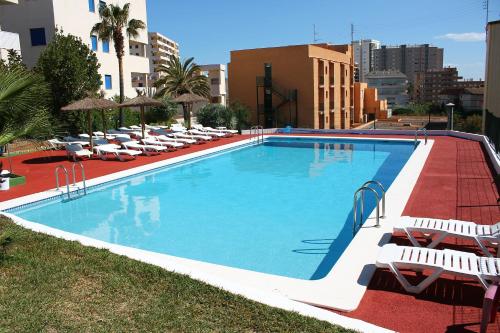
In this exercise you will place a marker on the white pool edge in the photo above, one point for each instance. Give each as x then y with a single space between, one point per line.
356 264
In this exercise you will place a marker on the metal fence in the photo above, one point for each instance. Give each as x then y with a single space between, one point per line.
492 129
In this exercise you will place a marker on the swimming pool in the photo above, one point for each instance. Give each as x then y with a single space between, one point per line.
282 208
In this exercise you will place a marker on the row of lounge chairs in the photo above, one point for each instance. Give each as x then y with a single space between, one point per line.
129 141
485 269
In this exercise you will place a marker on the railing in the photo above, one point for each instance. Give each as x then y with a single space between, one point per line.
63 168
66 178
259 133
82 169
359 195
423 129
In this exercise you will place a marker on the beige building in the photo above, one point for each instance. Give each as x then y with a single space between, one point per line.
408 59
8 40
36 20
363 56
160 49
216 75
307 86
491 112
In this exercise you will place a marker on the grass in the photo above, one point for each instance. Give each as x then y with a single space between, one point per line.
52 285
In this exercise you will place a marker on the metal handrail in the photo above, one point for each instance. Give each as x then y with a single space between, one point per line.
379 184
423 129
361 190
63 168
259 132
80 164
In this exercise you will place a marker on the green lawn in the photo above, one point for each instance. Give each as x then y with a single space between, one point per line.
52 285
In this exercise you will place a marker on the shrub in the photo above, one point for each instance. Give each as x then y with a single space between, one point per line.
162 114
214 115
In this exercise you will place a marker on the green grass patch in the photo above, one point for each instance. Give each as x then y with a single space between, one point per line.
52 285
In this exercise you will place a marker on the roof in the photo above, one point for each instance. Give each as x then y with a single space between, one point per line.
475 91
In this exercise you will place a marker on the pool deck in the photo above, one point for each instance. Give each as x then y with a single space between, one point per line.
456 182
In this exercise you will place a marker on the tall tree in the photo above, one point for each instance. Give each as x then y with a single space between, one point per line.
114 21
182 78
71 69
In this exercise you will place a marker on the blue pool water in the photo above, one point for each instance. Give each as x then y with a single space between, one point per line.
283 207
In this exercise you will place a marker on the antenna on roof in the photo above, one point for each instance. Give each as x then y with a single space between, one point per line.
315 34
486 7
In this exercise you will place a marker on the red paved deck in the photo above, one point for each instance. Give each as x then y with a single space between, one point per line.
456 183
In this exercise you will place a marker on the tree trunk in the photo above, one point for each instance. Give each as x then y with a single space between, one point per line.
120 69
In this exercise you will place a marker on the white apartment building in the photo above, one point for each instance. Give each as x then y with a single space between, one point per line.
36 20
363 56
216 75
8 40
160 49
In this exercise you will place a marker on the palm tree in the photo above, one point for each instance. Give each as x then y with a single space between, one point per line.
115 19
182 78
23 104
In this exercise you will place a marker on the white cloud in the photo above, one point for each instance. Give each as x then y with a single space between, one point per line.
464 37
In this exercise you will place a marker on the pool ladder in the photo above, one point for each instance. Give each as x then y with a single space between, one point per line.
259 133
66 178
423 129
360 194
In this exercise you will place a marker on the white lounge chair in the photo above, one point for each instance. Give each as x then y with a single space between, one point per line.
212 134
210 130
395 258
56 144
100 134
178 127
153 141
186 142
225 129
146 149
116 151
482 235
199 138
75 151
221 129
135 127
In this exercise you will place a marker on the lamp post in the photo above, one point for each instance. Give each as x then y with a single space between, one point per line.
451 105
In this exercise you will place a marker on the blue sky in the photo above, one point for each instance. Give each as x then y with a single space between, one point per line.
208 30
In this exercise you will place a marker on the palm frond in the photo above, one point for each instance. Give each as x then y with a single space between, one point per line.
133 28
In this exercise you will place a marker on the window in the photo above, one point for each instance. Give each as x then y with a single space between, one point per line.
108 82
215 81
93 42
105 46
92 6
38 37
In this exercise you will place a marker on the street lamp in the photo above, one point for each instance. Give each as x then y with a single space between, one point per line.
451 105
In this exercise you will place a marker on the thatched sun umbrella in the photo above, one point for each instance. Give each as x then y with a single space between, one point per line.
89 104
187 101
142 102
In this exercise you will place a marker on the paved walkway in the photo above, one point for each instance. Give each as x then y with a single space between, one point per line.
456 183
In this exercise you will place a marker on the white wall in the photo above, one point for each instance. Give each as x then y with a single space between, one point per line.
75 18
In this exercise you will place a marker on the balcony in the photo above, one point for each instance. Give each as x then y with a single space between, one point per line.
332 82
321 81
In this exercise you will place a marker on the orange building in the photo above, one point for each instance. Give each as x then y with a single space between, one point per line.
309 86
374 108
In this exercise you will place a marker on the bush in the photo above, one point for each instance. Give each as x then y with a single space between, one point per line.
215 115
71 69
241 114
471 124
162 114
